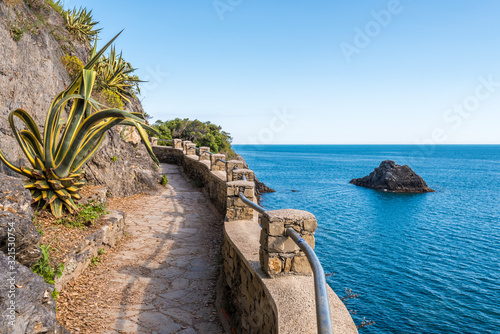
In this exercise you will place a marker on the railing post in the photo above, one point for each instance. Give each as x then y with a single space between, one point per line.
236 209
238 174
230 165
153 141
203 155
185 144
177 143
217 165
279 254
191 149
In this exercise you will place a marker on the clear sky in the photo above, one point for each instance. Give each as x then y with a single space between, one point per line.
317 72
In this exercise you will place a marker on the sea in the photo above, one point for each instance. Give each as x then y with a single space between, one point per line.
414 263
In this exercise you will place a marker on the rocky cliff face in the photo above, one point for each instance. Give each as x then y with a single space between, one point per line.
31 73
15 218
34 310
32 41
124 169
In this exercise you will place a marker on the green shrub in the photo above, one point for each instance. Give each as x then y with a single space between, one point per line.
44 269
57 6
73 65
164 180
95 261
17 32
86 215
200 133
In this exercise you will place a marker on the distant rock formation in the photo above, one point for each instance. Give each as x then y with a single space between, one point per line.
395 178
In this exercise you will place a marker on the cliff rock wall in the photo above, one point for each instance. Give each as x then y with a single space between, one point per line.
32 41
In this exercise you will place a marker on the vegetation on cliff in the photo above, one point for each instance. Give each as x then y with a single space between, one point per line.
57 158
200 133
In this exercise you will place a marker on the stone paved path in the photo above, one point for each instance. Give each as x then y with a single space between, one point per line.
166 276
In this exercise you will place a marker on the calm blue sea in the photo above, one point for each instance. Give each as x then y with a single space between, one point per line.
421 263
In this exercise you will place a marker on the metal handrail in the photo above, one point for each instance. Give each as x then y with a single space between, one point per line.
322 304
251 204
323 317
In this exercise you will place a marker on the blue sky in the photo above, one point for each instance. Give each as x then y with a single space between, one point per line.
317 72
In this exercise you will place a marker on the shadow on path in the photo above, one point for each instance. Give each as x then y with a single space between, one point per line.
165 277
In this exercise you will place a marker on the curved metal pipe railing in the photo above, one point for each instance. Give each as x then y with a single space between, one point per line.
251 204
322 304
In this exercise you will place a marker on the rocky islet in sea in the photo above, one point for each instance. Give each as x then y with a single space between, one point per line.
395 178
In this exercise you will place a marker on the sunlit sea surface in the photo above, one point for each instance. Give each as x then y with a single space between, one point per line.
421 263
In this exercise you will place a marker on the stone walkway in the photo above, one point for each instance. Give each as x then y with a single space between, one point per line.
165 277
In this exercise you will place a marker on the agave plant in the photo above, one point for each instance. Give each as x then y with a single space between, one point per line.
114 74
81 24
57 158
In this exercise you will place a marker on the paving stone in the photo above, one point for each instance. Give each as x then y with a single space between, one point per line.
124 325
168 268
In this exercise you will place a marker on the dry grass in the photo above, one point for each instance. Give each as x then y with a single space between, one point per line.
82 305
12 3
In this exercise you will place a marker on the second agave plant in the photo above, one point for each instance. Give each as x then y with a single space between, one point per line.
56 175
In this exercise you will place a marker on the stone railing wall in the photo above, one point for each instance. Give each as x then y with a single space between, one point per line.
266 280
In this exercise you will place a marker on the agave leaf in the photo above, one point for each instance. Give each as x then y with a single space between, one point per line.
56 184
32 141
69 204
68 181
80 134
12 166
143 125
92 143
25 147
56 207
30 184
76 196
30 123
36 195
50 197
62 193
77 114
42 185
145 140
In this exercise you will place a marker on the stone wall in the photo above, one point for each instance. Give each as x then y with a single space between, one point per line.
266 283
253 308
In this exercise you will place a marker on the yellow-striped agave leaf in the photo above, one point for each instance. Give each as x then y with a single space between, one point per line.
56 175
